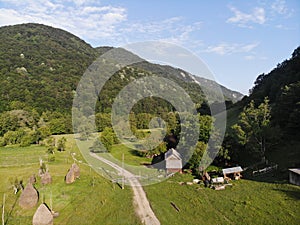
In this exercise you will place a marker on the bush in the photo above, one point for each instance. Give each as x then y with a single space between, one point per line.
2 142
51 158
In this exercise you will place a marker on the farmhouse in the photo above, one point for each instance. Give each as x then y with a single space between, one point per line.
233 171
173 161
294 176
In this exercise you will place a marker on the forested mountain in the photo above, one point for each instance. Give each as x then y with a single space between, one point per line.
282 87
41 66
266 123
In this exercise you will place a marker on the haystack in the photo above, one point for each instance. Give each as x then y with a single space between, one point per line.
42 216
46 178
29 197
32 179
76 170
70 177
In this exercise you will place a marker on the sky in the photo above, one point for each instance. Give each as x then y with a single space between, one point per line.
237 40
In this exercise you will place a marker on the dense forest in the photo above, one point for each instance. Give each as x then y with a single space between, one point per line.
267 120
40 67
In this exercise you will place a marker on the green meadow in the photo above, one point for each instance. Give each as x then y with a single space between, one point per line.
93 199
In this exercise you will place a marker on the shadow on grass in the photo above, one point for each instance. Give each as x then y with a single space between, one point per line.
294 194
277 175
269 178
135 153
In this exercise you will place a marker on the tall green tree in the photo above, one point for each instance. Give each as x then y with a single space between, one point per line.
102 120
108 138
198 153
286 112
61 144
252 128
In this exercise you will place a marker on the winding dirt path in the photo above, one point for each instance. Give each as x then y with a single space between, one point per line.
141 203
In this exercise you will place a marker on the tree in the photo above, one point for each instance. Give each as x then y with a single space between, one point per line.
29 137
84 128
8 122
43 132
252 127
50 143
61 144
143 120
132 121
286 112
206 126
198 153
102 120
57 126
172 122
108 138
97 147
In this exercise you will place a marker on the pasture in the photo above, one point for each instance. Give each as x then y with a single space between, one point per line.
95 200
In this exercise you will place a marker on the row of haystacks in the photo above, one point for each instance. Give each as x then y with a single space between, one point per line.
30 196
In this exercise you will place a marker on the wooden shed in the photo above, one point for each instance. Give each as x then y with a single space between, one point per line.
294 176
173 161
235 172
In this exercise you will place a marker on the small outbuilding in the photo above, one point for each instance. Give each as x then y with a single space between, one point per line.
235 172
173 161
294 176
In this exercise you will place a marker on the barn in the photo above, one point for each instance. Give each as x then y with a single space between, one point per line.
294 176
173 161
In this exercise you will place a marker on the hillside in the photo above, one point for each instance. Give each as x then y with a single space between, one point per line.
282 87
180 75
41 67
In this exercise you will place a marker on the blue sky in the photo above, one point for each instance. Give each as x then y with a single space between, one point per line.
238 40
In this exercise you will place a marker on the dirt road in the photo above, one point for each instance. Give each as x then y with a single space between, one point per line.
140 201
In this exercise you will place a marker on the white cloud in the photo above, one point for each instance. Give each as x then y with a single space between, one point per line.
173 30
90 22
97 23
279 6
228 49
257 16
249 57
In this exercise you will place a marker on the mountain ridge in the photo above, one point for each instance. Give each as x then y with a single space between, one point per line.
41 67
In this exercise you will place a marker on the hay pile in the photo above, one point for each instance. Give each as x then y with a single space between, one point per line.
42 216
73 174
76 170
32 179
70 178
29 197
46 178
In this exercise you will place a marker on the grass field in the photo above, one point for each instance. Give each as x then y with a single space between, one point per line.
130 156
246 202
95 200
90 200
